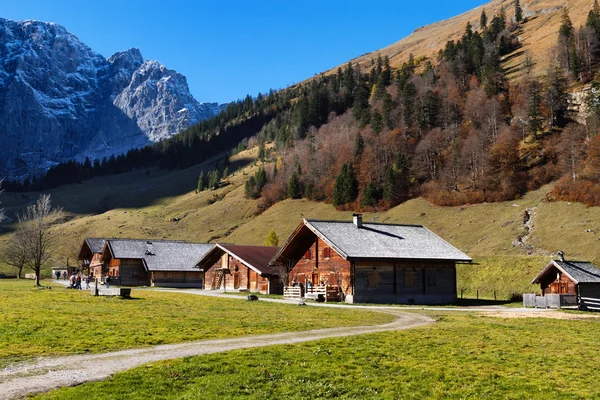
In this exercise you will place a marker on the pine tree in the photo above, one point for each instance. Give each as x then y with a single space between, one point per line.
345 189
556 96
201 182
261 150
566 28
389 184
518 12
359 145
376 121
214 179
386 110
483 20
369 195
293 189
272 239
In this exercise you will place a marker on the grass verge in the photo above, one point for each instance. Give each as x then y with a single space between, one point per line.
36 322
460 357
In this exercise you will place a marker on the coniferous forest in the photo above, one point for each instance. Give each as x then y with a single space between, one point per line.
453 129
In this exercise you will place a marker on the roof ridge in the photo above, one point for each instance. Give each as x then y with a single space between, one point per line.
156 241
364 223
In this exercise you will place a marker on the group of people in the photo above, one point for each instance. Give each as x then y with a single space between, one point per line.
76 279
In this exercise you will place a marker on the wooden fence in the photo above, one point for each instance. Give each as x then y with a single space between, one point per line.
328 293
549 300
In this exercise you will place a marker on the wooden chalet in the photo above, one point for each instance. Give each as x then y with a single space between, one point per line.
568 283
90 256
132 262
241 268
370 263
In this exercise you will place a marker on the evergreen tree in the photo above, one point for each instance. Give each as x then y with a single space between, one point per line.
409 99
272 239
518 12
213 179
201 182
261 150
293 189
345 189
225 172
386 110
389 184
359 145
376 121
369 195
483 20
566 27
556 96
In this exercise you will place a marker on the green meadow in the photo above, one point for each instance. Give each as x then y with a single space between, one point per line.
46 322
459 357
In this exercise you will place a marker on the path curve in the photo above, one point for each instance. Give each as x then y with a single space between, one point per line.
45 374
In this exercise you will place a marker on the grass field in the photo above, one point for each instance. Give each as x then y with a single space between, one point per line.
36 322
460 357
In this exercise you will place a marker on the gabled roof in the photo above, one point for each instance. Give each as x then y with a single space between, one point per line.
159 255
377 241
576 271
95 245
256 258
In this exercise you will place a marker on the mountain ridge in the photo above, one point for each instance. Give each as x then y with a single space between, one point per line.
60 100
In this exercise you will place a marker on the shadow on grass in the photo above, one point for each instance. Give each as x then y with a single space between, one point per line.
480 302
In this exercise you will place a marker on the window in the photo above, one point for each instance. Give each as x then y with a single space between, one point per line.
409 278
308 255
327 252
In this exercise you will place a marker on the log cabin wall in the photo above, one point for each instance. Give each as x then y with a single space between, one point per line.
322 264
178 279
131 272
405 282
589 296
555 282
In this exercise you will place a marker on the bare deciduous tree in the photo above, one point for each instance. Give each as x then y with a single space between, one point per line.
35 234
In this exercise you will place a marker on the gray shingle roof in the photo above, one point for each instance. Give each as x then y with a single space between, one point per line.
96 245
160 255
385 241
579 271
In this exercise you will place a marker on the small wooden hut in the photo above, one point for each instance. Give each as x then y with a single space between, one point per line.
565 283
241 268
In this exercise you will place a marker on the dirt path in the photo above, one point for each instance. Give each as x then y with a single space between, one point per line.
42 375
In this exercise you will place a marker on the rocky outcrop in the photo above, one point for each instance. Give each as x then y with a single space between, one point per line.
60 100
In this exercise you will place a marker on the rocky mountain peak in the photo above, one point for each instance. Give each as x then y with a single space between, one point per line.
60 100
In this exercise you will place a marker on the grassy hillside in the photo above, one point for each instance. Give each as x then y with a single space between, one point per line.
539 34
146 204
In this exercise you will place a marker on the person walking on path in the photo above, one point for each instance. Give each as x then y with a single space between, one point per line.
87 281
107 281
64 275
78 282
57 275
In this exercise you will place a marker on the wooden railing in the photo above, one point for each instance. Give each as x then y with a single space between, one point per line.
292 292
549 300
328 293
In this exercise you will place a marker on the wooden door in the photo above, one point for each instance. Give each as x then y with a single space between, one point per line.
315 279
236 280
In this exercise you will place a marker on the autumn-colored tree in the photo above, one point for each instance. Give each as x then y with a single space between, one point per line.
272 239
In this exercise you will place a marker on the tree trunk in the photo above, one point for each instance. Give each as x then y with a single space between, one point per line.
20 273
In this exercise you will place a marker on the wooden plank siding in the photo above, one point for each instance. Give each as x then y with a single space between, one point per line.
589 296
550 284
177 279
405 282
131 272
322 264
239 277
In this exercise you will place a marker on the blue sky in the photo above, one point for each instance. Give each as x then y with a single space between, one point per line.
228 49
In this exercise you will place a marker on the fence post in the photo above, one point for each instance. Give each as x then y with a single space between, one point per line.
494 295
461 293
477 294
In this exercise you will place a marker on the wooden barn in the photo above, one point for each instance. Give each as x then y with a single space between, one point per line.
565 283
132 262
370 262
90 256
241 268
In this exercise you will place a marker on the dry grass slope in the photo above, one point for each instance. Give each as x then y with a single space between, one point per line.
538 35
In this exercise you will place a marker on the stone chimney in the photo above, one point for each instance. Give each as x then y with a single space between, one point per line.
561 256
357 219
